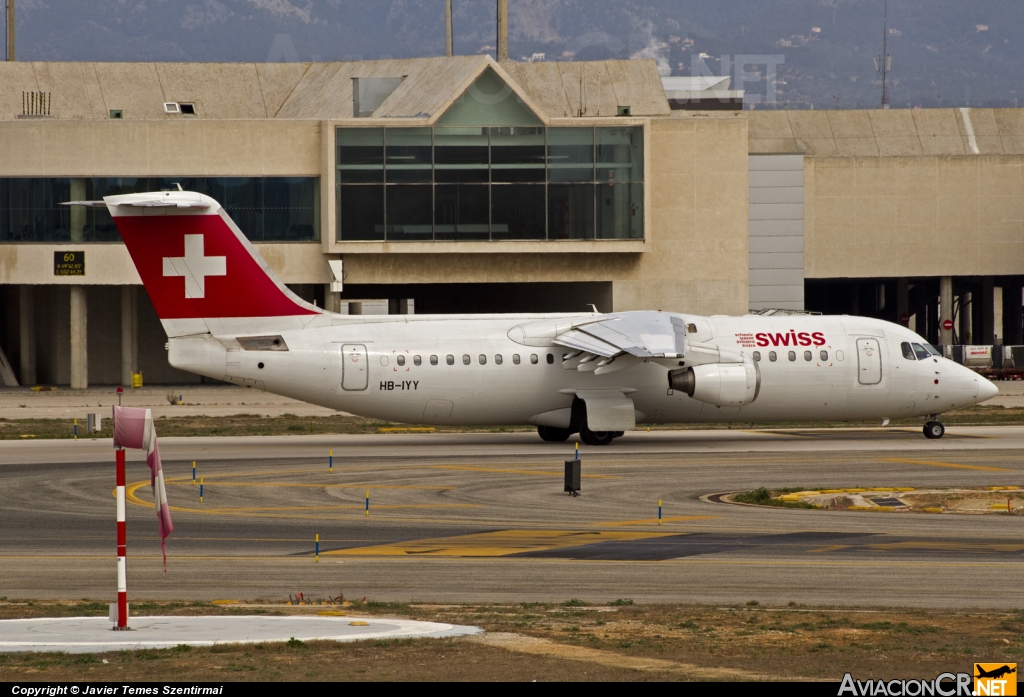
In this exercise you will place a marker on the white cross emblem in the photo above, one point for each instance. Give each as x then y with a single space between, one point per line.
195 267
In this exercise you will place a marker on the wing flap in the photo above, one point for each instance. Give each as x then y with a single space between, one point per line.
641 334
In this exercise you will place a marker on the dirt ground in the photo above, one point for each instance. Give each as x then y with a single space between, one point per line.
567 641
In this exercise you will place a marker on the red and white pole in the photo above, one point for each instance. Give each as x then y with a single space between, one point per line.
122 547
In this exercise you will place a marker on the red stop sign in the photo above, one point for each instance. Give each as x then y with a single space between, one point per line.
905 318
947 324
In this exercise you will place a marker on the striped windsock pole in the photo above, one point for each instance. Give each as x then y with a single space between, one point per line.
122 543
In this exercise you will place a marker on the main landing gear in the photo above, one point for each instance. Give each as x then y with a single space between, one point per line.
934 430
552 434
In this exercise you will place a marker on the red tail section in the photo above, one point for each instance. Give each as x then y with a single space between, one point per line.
195 263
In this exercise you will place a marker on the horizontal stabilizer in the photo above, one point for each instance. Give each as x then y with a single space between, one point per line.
163 203
143 203
86 204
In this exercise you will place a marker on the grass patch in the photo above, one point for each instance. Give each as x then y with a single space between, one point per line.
782 642
767 497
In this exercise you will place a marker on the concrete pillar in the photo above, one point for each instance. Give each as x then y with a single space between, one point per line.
129 334
903 301
355 308
79 339
332 300
449 43
10 30
77 213
27 331
502 30
1013 327
945 309
966 327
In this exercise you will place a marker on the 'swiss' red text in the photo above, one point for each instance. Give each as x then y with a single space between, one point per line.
790 338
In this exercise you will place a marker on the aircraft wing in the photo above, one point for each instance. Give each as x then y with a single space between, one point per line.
640 334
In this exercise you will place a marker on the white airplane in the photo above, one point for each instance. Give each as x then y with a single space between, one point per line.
228 317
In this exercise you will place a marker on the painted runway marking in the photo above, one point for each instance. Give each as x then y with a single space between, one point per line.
215 480
952 465
494 470
500 543
242 510
979 548
653 521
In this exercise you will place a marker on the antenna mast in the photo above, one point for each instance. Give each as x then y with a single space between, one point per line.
883 63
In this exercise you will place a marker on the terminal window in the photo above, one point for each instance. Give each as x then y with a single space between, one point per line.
464 182
266 209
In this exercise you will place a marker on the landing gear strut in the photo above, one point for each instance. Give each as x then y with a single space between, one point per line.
934 430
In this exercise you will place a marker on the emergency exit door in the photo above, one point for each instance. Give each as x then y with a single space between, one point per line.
354 374
869 362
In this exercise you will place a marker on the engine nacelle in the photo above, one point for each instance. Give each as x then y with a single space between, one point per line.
721 384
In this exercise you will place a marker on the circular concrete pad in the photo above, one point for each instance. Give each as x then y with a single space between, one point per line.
94 634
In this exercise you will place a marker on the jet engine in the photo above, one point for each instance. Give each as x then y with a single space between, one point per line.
721 384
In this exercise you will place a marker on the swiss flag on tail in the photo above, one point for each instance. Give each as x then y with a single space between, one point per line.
194 262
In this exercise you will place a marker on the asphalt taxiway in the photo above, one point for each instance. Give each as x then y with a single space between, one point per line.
482 517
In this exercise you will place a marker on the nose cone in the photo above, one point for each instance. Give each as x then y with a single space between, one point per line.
986 390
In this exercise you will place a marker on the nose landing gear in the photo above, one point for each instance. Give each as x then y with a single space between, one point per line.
934 430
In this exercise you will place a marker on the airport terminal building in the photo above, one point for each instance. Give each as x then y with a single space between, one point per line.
456 185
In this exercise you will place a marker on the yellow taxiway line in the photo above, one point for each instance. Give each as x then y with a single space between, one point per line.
495 544
951 465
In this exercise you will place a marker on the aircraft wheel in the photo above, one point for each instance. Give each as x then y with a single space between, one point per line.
552 434
596 437
934 430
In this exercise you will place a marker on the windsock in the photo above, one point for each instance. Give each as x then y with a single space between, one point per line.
133 428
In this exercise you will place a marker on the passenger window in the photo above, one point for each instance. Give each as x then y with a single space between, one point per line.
808 356
533 358
908 351
839 355
921 351
433 360
400 360
824 355
757 356
792 355
383 360
551 359
483 359
515 358
416 360
450 359
772 356
466 360
497 359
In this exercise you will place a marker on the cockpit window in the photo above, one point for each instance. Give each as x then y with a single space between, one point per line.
921 351
932 350
908 351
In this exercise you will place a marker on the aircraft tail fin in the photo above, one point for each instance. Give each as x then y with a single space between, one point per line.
200 271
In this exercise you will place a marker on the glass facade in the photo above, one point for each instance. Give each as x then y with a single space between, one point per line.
266 209
457 182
